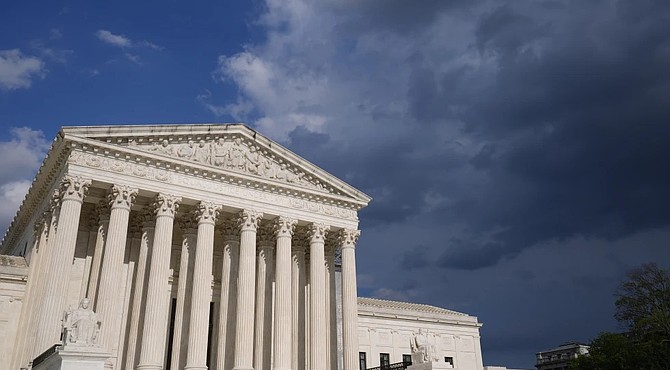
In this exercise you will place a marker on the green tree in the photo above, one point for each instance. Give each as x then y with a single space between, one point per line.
643 308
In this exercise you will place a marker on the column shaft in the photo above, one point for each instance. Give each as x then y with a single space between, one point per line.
157 303
96 263
349 299
184 286
202 285
228 302
283 313
299 305
26 322
317 294
244 334
72 191
139 295
331 311
264 277
108 305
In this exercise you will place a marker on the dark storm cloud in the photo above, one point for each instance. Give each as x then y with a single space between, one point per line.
585 120
568 112
398 15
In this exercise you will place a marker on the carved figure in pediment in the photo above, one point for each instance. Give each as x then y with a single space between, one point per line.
163 147
186 150
81 325
238 154
201 152
252 160
220 153
265 167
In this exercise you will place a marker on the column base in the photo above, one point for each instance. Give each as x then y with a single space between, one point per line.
243 368
195 368
149 367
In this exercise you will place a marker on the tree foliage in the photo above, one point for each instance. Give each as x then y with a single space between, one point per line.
643 308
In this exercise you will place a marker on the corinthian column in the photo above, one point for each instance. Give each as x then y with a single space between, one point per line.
264 276
347 241
298 302
283 230
102 209
189 227
139 295
108 304
206 214
228 302
244 334
72 192
331 314
158 299
317 294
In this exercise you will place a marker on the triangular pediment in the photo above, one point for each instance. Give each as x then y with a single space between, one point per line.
231 148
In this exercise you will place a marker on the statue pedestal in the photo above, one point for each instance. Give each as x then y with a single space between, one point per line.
75 357
431 366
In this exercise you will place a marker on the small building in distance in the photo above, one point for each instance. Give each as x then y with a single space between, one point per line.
559 358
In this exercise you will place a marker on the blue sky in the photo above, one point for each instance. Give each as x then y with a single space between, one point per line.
516 151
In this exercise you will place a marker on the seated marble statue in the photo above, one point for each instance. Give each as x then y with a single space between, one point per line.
81 325
422 349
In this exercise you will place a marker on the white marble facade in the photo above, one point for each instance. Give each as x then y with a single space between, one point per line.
204 246
387 328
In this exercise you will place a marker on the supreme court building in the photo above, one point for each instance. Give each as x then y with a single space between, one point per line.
198 246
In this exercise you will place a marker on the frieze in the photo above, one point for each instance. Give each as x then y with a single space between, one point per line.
235 154
157 174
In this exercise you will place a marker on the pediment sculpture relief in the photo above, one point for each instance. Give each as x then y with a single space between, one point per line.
233 154
81 325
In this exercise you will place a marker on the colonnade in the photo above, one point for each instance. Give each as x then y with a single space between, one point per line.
277 299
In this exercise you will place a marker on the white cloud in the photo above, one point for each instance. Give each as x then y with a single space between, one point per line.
55 54
21 156
11 196
112 39
124 42
18 71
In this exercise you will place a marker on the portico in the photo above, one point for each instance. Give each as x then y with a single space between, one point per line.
199 246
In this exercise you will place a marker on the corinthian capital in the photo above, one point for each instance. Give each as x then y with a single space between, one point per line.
74 188
347 238
121 196
249 220
284 226
166 205
207 212
316 232
230 229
